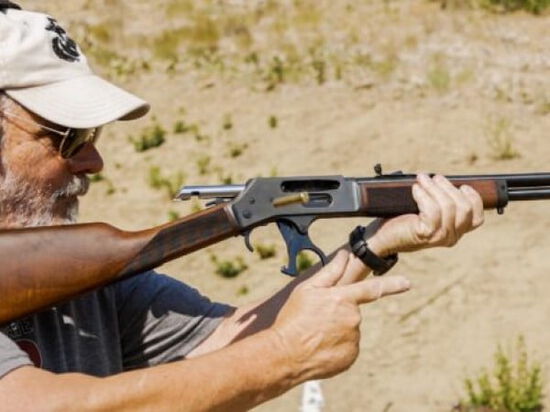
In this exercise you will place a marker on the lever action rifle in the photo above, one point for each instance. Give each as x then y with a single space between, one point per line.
48 265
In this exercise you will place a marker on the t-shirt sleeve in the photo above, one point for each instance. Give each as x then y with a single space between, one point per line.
162 319
11 357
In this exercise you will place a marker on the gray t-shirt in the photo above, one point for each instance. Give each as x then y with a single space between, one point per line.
141 321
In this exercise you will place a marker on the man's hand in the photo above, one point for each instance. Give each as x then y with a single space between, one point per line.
446 213
318 326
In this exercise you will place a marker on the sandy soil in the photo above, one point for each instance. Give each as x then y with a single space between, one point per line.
416 348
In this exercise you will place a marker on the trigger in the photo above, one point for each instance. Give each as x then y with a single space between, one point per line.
247 243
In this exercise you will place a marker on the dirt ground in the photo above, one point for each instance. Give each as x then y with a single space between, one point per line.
463 81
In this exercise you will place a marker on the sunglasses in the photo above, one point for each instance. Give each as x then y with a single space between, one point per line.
72 140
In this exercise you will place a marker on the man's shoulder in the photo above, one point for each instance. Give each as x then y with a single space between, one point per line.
149 279
151 286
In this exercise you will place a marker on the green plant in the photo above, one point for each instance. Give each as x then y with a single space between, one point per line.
173 215
303 261
196 206
227 123
171 183
152 136
229 268
385 67
195 130
275 73
223 178
203 165
439 78
543 108
514 385
500 139
243 290
273 122
320 68
499 6
265 251
180 127
506 6
97 177
237 149
110 188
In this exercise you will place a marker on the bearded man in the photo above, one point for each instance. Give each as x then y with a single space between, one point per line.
151 342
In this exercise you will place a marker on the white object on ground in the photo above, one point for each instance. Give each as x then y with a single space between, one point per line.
312 397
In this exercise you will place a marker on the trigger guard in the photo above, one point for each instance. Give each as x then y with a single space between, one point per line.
247 243
297 240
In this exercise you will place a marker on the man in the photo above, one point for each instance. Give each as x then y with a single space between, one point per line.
151 342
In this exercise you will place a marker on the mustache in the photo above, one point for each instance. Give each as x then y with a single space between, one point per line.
77 186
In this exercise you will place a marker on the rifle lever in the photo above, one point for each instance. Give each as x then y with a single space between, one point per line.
297 239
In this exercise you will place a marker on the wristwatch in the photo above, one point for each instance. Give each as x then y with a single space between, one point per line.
360 248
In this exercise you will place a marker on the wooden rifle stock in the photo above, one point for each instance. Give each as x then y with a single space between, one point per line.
48 265
388 199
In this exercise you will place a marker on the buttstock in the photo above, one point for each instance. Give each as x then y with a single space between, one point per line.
181 237
50 265
395 198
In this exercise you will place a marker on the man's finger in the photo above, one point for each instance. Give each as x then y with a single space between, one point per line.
430 215
464 207
446 204
477 202
373 289
331 272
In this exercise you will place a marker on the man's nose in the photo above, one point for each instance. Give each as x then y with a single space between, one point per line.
86 160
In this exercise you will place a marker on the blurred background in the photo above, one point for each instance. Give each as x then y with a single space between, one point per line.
241 89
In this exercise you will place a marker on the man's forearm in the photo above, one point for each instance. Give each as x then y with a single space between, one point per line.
232 379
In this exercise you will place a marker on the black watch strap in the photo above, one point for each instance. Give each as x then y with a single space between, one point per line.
360 248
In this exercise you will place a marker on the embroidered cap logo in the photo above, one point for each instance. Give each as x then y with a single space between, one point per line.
64 47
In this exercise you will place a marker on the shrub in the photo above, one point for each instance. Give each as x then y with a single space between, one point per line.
180 127
171 183
500 139
203 164
439 78
303 261
236 149
97 177
265 251
227 123
153 136
273 122
173 215
229 268
515 385
243 290
531 6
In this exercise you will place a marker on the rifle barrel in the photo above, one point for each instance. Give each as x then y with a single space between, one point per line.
529 194
513 180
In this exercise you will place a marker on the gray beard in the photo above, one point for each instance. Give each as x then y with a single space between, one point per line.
23 205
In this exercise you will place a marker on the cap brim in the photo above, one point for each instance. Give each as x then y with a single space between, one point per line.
81 102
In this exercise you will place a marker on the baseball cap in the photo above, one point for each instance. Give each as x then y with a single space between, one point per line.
45 71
